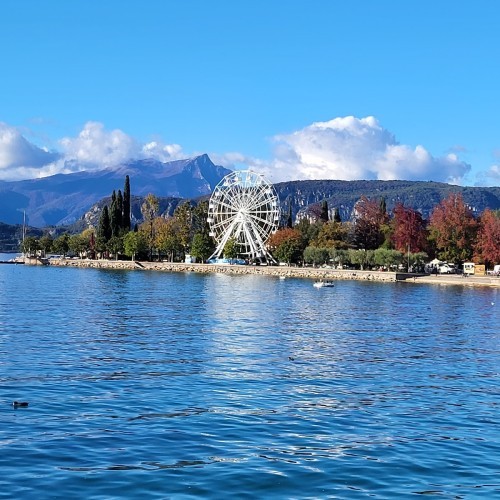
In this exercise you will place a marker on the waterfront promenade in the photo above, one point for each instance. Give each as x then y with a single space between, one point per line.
278 271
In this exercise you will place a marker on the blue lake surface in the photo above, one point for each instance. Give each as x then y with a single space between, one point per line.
164 385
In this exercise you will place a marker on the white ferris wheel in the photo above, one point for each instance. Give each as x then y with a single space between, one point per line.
244 207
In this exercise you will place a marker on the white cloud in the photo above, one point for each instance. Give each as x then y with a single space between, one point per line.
162 152
94 148
350 148
97 148
19 155
346 148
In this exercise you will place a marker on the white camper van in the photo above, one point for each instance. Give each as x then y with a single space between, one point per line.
469 268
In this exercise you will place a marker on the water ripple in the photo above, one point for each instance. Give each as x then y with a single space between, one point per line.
161 385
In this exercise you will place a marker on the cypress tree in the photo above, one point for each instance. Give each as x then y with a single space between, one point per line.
126 205
383 205
119 209
104 228
336 215
115 218
289 220
324 211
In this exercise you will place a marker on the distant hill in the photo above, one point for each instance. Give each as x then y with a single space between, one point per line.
167 206
63 199
422 196
12 235
194 180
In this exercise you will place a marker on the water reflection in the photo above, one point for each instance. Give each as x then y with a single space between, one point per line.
260 385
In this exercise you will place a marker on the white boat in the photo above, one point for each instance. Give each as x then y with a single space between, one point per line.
323 283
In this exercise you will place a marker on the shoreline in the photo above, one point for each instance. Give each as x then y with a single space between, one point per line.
277 271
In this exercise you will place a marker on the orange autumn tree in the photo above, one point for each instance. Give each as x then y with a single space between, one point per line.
453 229
371 219
487 248
286 245
409 233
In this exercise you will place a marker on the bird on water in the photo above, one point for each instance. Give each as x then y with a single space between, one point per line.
20 404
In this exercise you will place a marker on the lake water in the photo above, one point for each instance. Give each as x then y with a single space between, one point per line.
158 385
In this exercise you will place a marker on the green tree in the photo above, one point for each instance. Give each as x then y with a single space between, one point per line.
133 244
202 246
115 246
308 231
316 256
362 258
30 246
339 256
166 237
231 249
46 243
324 211
332 234
61 244
183 216
126 205
116 214
104 232
149 210
336 215
78 244
289 219
417 261
199 215
387 258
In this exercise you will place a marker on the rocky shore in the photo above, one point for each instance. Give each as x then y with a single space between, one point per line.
278 271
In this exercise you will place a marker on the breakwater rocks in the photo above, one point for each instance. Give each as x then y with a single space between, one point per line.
280 271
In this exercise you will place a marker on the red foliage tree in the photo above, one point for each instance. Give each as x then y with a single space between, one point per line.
282 235
286 244
487 248
409 232
453 229
371 217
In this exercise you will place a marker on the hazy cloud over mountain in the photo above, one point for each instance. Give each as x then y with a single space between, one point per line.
350 148
96 147
345 148
18 156
489 178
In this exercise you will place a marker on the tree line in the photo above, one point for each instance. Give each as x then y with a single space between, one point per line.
375 237
156 237
372 237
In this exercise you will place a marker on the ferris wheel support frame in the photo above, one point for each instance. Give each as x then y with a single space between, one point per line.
243 206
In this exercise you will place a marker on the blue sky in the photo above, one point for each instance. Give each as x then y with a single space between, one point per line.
297 89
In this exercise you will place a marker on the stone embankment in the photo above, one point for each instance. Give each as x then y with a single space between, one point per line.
279 271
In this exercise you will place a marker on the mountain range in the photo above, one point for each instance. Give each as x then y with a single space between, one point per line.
419 195
62 199
76 199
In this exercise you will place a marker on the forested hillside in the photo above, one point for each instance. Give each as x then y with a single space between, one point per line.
421 196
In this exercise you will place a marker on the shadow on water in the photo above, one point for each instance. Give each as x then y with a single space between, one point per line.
263 387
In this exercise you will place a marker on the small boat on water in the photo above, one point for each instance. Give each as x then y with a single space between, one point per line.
323 284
